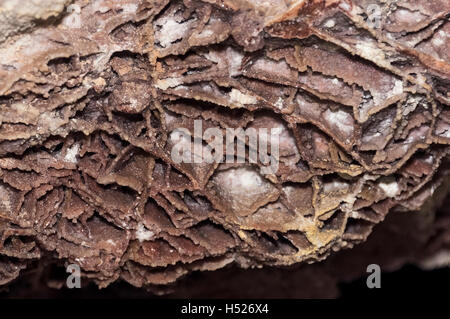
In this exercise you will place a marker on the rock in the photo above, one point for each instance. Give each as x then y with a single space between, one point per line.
320 121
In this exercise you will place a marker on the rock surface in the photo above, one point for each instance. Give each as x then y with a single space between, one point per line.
89 101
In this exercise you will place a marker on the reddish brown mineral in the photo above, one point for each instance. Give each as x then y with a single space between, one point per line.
91 92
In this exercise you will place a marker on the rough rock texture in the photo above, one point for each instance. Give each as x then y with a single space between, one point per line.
19 16
412 237
88 103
